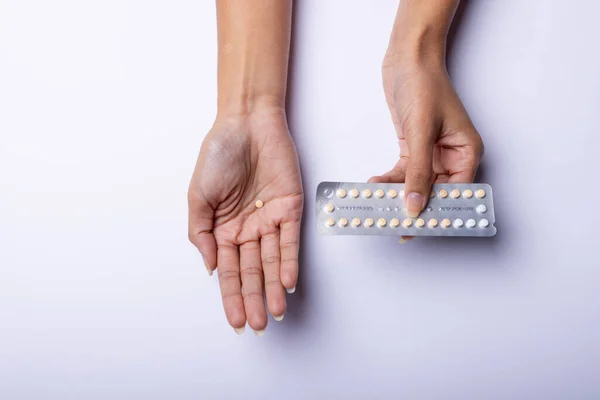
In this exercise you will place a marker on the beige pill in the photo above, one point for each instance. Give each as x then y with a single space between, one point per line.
343 222
394 222
420 223
341 193
432 223
379 193
432 194
407 222
259 204
354 193
367 193
369 222
480 194
355 222
455 194
330 222
443 193
392 194
328 208
468 194
446 223
381 222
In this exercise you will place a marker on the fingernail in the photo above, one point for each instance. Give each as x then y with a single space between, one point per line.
292 290
403 240
210 272
259 332
241 330
414 204
278 317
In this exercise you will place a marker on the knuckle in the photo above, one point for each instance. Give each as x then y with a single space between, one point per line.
289 260
252 271
229 295
250 294
272 282
271 260
290 245
228 275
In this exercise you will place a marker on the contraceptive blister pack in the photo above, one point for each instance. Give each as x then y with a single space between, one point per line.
350 208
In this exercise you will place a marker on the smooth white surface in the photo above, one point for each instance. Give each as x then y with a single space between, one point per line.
103 106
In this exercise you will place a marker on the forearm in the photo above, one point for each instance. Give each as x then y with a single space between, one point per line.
420 30
253 42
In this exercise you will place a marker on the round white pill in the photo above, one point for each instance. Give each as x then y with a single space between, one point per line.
381 222
484 223
354 193
369 222
328 208
470 223
481 208
394 222
355 222
392 194
458 223
341 193
367 193
379 193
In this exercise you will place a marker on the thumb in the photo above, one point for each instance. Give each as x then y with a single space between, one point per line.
200 227
419 170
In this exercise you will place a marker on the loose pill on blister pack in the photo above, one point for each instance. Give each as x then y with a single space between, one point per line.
380 209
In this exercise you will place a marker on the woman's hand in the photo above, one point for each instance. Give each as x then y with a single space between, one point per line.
245 160
438 142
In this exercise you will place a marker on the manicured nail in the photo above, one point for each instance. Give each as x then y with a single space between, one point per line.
259 332
292 290
241 330
210 272
278 317
414 204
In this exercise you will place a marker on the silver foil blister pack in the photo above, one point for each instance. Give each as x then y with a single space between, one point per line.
351 208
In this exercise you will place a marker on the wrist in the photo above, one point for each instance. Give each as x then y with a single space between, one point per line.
425 46
246 104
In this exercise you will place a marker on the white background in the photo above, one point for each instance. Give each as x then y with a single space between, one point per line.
103 106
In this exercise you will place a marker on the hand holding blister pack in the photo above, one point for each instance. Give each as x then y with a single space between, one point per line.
347 208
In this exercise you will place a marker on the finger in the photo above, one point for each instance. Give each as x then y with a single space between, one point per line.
231 288
395 175
289 247
465 176
270 254
404 239
252 284
200 225
419 169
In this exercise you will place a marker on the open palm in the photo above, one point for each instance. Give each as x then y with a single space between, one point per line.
253 246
